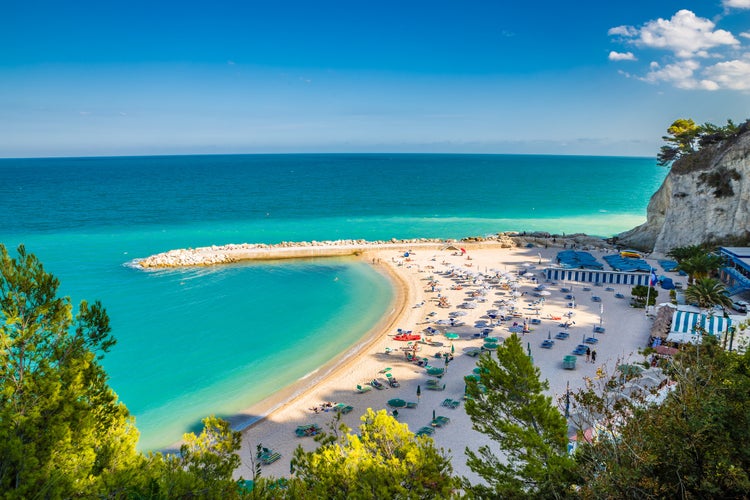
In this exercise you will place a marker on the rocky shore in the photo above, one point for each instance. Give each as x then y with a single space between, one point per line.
232 253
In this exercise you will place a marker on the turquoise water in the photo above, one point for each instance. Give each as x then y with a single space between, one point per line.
196 342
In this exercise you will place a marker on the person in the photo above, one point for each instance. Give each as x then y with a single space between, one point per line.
395 414
593 356
588 354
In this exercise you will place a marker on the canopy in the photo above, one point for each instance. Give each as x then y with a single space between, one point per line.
686 322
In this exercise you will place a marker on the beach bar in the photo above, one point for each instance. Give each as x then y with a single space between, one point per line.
594 276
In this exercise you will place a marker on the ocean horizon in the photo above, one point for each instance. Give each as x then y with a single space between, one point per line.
194 342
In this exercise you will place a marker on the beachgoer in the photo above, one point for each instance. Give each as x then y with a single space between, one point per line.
588 354
593 356
395 414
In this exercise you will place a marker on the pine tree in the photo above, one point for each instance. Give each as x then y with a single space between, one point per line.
61 426
512 410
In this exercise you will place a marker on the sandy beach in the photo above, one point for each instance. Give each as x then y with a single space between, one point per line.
416 307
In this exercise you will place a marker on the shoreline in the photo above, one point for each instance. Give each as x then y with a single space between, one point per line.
290 394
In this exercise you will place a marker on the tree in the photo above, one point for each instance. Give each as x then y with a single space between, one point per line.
707 292
692 445
512 410
63 432
682 253
62 428
682 140
385 460
701 265
641 292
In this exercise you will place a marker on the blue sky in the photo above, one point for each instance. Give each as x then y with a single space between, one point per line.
129 78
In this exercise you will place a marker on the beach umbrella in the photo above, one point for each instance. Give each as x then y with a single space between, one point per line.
433 414
567 401
451 336
453 348
545 292
396 403
419 392
549 335
528 348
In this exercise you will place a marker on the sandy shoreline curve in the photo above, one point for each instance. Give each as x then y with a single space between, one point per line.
415 305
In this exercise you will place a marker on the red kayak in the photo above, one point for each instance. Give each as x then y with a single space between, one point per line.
412 336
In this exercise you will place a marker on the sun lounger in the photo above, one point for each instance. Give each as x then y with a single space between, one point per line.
619 296
562 335
599 329
377 384
385 370
363 388
591 340
450 403
411 405
580 350
343 408
473 352
425 431
440 421
596 298
307 430
547 344
392 380
436 387
268 456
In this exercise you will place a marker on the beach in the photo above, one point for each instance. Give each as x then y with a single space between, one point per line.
424 274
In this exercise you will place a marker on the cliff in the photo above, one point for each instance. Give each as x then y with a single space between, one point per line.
705 198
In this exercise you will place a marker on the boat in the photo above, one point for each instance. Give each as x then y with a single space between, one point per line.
407 337
630 254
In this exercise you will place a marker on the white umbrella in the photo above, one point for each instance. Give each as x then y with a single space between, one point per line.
545 292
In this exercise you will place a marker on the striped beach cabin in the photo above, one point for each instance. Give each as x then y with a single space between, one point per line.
596 276
685 323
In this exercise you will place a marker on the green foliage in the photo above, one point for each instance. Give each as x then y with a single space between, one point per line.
641 292
685 138
707 292
693 445
61 426
385 460
513 411
701 265
682 253
721 181
63 432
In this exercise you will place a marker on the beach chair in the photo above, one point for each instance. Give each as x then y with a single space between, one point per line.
599 329
377 384
363 388
562 335
425 431
592 340
580 350
411 405
436 387
307 430
268 456
450 403
440 421
343 408
548 344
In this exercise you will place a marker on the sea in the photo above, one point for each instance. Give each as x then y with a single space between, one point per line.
203 341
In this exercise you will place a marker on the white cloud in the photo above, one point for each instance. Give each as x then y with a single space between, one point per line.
745 34
686 34
621 56
733 75
737 4
622 31
681 74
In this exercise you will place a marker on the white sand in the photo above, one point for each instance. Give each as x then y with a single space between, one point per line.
626 332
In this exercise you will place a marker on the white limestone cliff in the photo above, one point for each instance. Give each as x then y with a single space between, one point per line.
704 198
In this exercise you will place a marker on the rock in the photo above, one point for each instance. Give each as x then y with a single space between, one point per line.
703 199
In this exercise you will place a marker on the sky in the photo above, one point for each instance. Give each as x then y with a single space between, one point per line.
109 78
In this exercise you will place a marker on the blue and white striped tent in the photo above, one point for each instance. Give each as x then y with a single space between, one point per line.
686 322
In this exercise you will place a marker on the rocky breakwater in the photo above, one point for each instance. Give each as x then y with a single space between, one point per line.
228 254
705 198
